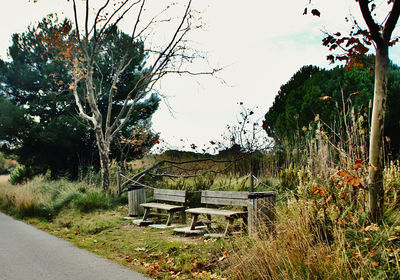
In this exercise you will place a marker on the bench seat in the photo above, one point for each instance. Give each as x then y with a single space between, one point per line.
164 195
220 198
162 206
219 212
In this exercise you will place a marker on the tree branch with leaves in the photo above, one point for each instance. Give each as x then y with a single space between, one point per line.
380 36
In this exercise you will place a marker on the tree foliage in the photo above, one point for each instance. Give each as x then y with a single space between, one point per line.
38 113
313 91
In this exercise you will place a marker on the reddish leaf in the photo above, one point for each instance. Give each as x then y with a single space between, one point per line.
343 173
356 255
315 12
358 164
343 195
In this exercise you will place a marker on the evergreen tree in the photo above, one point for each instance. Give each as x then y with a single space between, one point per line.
46 132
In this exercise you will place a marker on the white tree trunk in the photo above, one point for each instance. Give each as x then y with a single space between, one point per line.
376 191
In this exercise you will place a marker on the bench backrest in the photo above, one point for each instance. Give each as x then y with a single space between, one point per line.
170 195
225 198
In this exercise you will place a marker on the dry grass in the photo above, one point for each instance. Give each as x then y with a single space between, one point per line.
323 235
299 250
4 180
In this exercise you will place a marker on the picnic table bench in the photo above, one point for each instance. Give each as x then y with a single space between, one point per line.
221 198
178 197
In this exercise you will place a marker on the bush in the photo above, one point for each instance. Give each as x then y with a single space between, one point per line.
92 200
19 175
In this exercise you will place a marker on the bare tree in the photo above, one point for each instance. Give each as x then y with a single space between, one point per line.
247 136
94 30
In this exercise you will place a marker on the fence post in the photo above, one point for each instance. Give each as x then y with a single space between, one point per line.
261 213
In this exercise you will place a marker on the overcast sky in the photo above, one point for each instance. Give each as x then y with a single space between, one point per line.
261 44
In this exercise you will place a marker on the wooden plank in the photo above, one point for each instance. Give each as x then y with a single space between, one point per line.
225 198
171 198
224 201
162 206
211 211
170 195
226 194
170 192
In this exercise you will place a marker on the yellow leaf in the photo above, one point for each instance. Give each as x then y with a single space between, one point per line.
372 227
373 166
375 264
326 97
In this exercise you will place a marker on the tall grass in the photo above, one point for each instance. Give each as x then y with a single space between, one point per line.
42 198
321 233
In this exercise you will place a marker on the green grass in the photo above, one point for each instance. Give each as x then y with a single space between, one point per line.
317 236
93 220
158 253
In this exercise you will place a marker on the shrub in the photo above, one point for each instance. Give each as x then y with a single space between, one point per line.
93 199
19 175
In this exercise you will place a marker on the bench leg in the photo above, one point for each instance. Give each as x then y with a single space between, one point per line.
183 216
228 226
209 222
194 221
245 223
169 221
146 214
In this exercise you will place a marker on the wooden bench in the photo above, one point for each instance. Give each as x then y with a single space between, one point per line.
175 196
221 198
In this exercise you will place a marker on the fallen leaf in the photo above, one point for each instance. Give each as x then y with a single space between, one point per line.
138 249
224 255
372 227
356 255
392 238
375 264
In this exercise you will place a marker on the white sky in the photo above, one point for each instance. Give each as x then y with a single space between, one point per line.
261 43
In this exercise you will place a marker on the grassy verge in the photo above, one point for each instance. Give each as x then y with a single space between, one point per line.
65 210
157 253
321 232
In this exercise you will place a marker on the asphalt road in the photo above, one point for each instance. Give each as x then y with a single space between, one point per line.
27 253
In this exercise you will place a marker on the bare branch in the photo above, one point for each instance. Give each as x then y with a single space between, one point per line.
372 25
391 22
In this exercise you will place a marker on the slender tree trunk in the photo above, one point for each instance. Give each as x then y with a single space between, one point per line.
104 154
376 191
